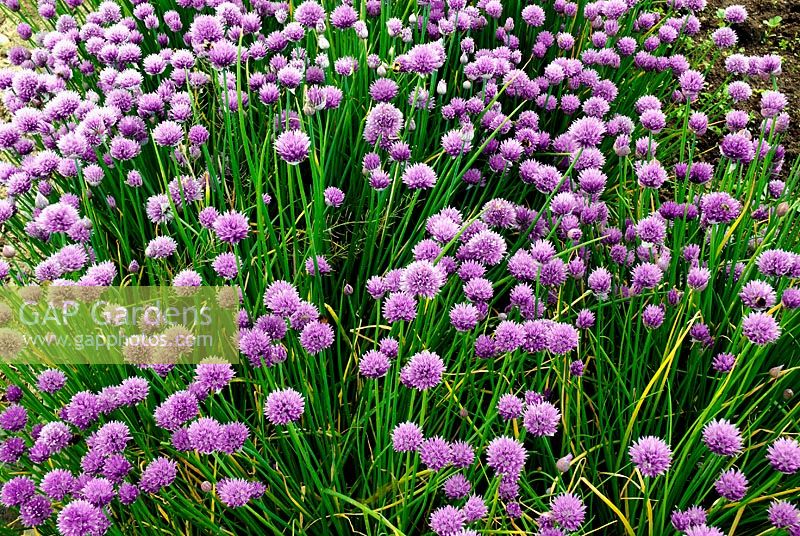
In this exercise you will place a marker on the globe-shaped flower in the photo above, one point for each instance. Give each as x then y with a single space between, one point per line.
651 455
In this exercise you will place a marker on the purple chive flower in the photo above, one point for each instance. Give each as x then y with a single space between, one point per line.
562 338
236 492
226 265
464 316
17 491
400 306
334 197
318 263
510 407
447 520
784 455
419 176
168 134
651 174
423 371
703 530
790 298
722 437
231 227
316 336
422 278
760 328
719 207
374 364
457 487
541 419
98 491
383 90
651 455
735 14
406 437
12 449
698 278
568 510
435 453
161 247
724 37
81 518
731 485
506 456
35 511
158 474
723 362
600 282
737 147
292 146
14 418
177 409
111 438
284 406
783 514
474 509
309 14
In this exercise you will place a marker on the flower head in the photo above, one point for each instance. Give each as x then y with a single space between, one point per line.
651 455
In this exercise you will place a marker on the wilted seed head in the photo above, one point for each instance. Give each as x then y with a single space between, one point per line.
228 297
5 314
11 343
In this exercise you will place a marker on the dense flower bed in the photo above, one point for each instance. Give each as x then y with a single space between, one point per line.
504 268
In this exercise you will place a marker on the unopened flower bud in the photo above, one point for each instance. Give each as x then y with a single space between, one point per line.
323 43
412 19
775 372
381 70
563 464
41 201
205 486
9 251
441 87
348 289
782 210
467 84
788 394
